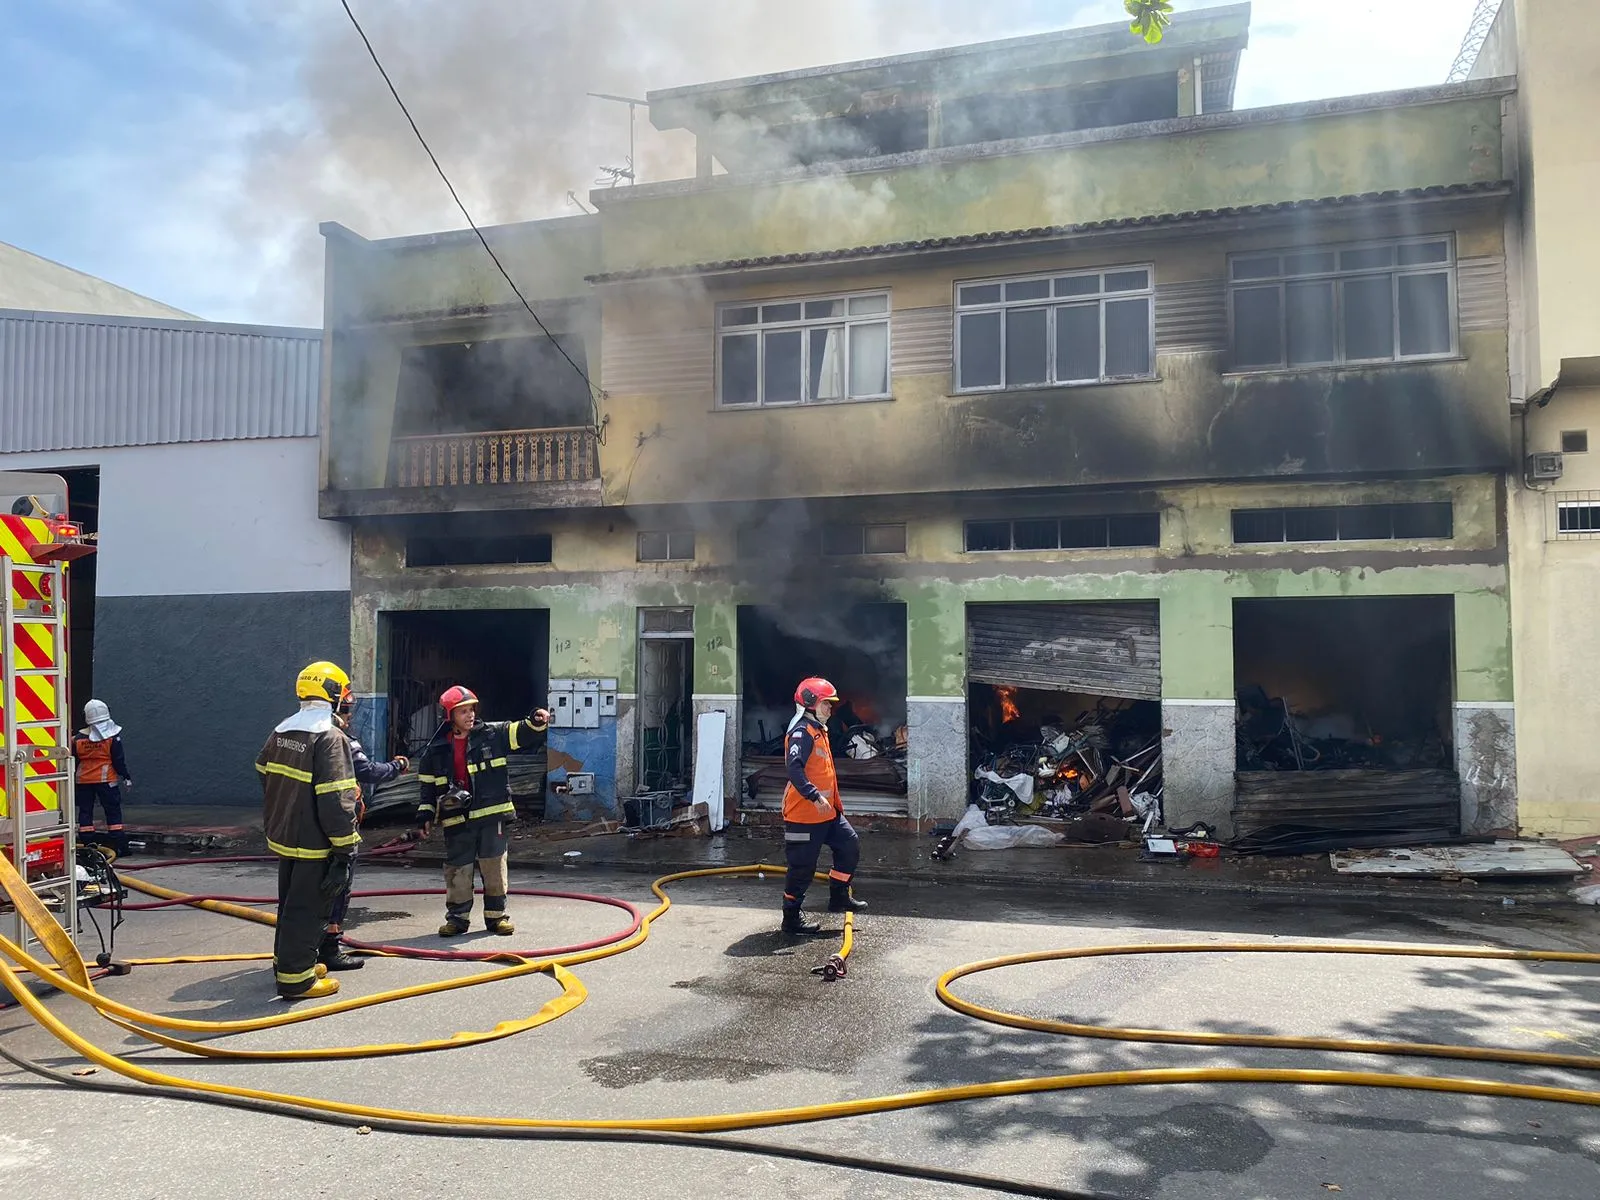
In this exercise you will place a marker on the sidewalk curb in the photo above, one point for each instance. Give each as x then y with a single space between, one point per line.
1309 892
1182 881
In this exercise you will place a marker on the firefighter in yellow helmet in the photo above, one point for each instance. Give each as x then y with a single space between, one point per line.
309 797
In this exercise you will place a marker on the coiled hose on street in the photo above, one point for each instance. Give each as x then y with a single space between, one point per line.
68 973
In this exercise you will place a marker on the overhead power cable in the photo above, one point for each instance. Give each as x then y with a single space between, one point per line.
595 392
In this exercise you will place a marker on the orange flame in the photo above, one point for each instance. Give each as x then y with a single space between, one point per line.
1008 703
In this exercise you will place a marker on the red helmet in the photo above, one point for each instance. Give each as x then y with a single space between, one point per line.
454 698
813 691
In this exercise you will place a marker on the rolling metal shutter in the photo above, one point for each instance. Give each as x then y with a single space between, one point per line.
1099 649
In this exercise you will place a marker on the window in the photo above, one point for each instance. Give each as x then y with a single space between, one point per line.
1086 327
666 547
476 552
666 622
1572 516
1343 523
1065 533
1578 516
863 539
1372 303
803 351
1575 441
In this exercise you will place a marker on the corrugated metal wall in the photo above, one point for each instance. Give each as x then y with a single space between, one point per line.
1097 649
70 382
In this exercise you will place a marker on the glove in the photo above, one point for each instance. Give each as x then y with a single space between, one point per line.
336 875
539 716
403 763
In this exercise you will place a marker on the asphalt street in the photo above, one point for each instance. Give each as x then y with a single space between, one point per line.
715 1014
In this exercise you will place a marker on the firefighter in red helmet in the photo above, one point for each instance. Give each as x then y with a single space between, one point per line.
813 813
466 790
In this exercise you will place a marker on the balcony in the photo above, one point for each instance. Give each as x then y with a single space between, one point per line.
501 456
482 471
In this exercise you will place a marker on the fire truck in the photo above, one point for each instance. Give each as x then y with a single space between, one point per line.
37 810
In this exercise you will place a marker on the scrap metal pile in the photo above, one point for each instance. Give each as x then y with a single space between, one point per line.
1271 736
1107 761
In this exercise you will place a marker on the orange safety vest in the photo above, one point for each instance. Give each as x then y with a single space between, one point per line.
94 761
820 771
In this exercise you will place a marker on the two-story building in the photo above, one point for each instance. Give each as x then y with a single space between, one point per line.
1028 378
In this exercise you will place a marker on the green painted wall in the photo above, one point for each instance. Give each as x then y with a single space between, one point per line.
1256 162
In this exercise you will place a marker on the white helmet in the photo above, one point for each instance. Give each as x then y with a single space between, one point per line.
98 718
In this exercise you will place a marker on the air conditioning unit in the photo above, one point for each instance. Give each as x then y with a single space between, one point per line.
1542 467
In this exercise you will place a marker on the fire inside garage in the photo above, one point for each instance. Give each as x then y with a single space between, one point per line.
502 655
861 648
1065 711
1344 723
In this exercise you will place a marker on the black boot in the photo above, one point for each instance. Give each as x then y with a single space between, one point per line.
840 899
796 925
333 956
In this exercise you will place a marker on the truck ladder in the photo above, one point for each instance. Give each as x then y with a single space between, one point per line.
37 787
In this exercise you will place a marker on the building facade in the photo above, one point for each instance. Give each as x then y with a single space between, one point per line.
191 450
1028 375
1555 384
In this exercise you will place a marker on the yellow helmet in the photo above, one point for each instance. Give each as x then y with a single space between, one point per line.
322 681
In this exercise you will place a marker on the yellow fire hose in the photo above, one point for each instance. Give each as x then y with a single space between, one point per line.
70 975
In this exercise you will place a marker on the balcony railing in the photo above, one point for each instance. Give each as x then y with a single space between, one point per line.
496 457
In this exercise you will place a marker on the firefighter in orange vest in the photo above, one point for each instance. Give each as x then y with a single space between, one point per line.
813 814
101 768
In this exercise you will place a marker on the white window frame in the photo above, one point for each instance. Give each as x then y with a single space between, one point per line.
1447 268
1052 303
672 535
762 327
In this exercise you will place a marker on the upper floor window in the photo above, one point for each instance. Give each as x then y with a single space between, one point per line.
842 540
665 546
1376 302
430 551
803 351
1344 523
1114 530
1084 327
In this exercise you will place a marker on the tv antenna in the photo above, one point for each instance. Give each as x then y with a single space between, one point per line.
615 175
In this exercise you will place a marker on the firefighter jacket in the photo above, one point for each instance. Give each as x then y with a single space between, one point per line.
308 786
100 760
488 781
812 793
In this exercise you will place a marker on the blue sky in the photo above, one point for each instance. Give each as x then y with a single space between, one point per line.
187 149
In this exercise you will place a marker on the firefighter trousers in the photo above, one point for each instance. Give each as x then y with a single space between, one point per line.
802 847
303 907
482 845
341 902
109 797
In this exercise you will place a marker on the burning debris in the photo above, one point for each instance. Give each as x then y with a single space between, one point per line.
1272 736
1041 780
1049 767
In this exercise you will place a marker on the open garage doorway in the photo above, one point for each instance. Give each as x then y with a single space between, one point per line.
1344 721
861 649
1064 704
503 655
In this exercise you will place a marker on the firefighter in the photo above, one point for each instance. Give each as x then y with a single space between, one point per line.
370 776
813 813
466 791
309 798
102 766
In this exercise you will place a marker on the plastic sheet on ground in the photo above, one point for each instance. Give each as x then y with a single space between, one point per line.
975 832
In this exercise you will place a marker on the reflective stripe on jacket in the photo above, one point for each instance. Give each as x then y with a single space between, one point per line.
308 788
488 779
812 793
